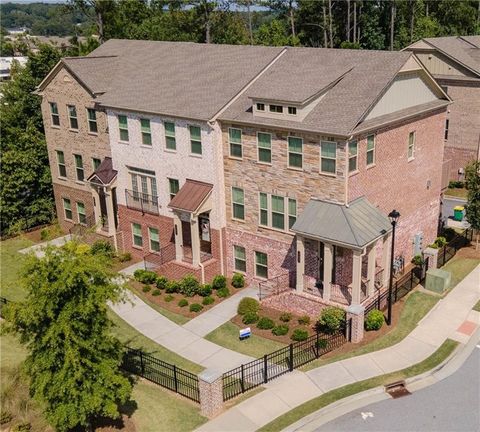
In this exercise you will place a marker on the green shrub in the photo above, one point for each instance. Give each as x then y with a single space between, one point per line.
103 247
331 319
219 282
265 323
248 304
433 246
250 318
322 344
145 276
456 184
440 241
156 292
189 285
183 302
449 233
146 288
205 290
299 335
374 320
124 257
208 300
161 282
5 417
22 427
280 330
238 280
304 320
169 298
172 287
196 307
44 235
418 260
223 292
286 317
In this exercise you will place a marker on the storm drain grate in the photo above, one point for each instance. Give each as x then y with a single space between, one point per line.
397 389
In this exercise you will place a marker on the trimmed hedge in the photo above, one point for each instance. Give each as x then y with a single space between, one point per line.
208 300
146 288
331 319
250 318
248 304
286 317
172 287
196 307
145 276
374 320
304 320
189 286
219 282
299 335
238 280
169 298
156 292
223 292
183 302
205 290
265 323
161 282
280 330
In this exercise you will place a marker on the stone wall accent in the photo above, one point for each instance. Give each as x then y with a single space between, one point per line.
210 385
432 255
75 195
357 314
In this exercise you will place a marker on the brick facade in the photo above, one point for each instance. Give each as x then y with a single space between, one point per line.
75 195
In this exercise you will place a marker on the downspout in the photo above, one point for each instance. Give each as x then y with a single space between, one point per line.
347 174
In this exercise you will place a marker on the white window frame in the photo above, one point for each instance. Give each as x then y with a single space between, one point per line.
92 121
257 108
411 146
261 265
84 214
235 259
65 209
123 128
133 236
54 115
269 210
277 106
329 173
170 193
59 164
169 134
258 149
195 140
145 133
355 156
230 143
93 162
292 108
300 168
150 239
79 168
71 117
242 204
372 150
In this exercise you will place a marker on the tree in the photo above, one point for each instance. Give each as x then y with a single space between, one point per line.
73 360
274 34
472 182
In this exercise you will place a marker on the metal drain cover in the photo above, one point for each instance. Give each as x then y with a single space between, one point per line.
397 389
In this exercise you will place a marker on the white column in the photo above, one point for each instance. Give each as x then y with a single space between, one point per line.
177 227
195 240
300 259
356 277
96 207
327 270
372 257
386 252
110 214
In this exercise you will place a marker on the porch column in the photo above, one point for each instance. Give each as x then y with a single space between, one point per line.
356 277
372 257
387 245
177 228
300 262
327 270
96 206
110 214
195 240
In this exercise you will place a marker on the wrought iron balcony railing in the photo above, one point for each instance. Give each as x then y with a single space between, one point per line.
141 201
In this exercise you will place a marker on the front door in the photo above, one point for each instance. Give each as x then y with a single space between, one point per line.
186 234
204 228
103 209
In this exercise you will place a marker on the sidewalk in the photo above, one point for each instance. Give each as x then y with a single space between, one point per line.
38 248
452 317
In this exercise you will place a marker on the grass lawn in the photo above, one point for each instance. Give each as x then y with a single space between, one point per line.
326 399
227 336
460 267
456 192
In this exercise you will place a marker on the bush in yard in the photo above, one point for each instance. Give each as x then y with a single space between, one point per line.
156 292
418 260
189 285
299 335
196 307
205 290
172 287
440 241
223 292
265 323
280 330
449 233
219 282
161 282
146 288
248 304
304 320
124 257
5 417
145 276
183 302
22 427
322 344
238 280
374 320
169 298
208 300
250 318
286 317
103 247
331 319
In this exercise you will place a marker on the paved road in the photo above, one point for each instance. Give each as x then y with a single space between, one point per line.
452 405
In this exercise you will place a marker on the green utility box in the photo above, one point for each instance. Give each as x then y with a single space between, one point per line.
458 213
438 280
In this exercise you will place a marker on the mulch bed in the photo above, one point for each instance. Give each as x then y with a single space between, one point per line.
124 424
469 251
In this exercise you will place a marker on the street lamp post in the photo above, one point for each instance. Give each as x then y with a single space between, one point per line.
394 215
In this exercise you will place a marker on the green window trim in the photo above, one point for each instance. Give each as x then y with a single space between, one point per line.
137 235
263 205
54 114
173 187
123 127
264 145
370 150
62 168
411 145
295 152
238 203
67 209
154 237
170 141
240 258
72 115
146 132
82 217
328 163
96 163
292 212
92 120
79 167
195 140
261 265
352 156
278 211
235 140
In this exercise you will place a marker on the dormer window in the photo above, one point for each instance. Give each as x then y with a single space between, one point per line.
260 107
292 110
276 109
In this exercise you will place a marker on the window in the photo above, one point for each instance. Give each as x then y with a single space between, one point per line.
170 142
264 143
144 185
292 212
352 156
370 150
96 163
123 127
82 217
260 107
154 239
261 265
263 204
137 235
238 203
235 138
276 109
411 145
295 152
146 133
72 115
447 124
328 163
292 110
79 167
54 114
92 120
240 259
278 212
62 168
67 208
195 140
173 187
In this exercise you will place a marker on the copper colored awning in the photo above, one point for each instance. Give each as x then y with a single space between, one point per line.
191 196
104 174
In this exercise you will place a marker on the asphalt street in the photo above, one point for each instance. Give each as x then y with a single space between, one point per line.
451 405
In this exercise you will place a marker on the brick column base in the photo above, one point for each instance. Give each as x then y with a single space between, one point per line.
357 314
432 255
211 392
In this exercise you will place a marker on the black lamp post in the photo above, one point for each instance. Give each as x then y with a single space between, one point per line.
394 215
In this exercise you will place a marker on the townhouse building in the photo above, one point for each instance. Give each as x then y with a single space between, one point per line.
454 61
280 163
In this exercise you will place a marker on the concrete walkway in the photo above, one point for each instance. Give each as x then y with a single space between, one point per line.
38 248
452 317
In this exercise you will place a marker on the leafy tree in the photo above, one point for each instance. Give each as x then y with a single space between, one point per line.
73 360
472 181
275 34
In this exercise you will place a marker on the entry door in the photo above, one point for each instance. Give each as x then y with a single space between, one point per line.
103 208
321 254
186 234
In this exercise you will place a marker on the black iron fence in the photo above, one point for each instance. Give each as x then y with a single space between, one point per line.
270 366
447 252
141 201
162 373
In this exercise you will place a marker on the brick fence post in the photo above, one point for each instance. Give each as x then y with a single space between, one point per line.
210 385
357 314
432 255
